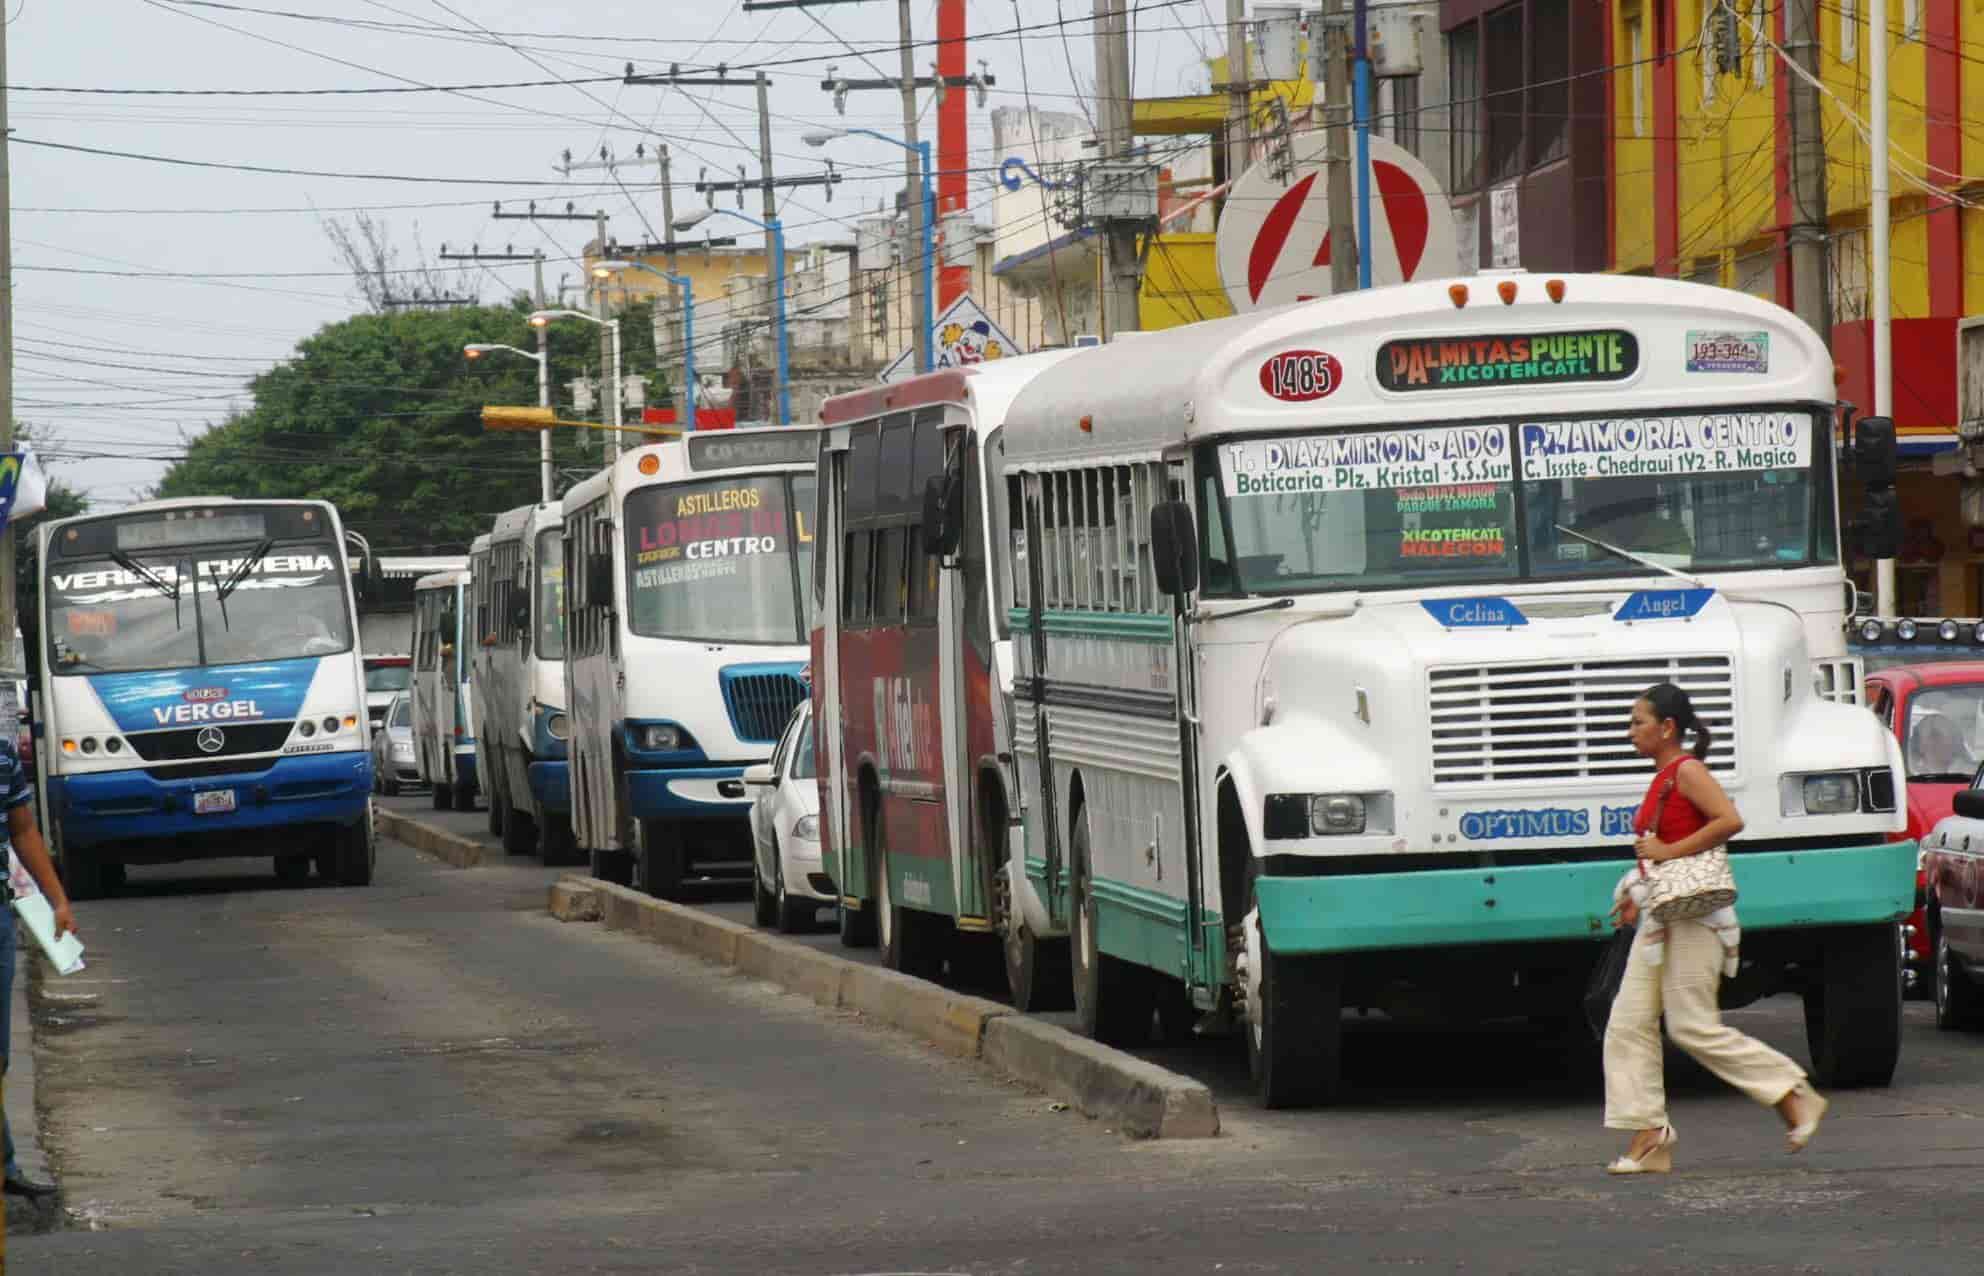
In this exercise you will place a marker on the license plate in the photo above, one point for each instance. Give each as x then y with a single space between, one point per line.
213 802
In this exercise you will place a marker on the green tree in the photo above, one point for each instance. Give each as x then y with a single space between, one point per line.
381 415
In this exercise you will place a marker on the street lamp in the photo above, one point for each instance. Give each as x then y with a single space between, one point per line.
475 350
927 299
776 233
541 319
608 269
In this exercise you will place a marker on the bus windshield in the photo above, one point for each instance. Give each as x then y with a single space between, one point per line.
721 560
181 608
551 595
1528 500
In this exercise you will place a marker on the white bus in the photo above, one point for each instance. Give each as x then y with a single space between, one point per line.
913 665
443 714
685 627
1328 622
518 680
200 691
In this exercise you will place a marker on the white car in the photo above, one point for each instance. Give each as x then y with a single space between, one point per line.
788 881
393 767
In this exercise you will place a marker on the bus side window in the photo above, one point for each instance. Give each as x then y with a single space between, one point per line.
856 578
1019 584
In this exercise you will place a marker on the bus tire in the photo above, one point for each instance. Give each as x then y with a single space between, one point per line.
556 843
857 924
519 830
1038 975
82 874
292 870
909 939
662 856
1853 1011
1294 1022
616 867
444 796
1114 999
495 818
357 853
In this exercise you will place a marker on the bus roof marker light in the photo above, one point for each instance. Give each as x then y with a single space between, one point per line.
1086 425
649 464
1458 293
1948 631
1905 630
1554 289
1507 291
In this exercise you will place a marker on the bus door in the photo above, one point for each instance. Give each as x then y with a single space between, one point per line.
940 454
1199 951
1032 489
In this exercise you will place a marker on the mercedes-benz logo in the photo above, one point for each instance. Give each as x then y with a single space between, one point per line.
211 739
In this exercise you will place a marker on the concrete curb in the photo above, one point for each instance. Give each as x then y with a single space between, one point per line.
23 1112
1136 1097
451 848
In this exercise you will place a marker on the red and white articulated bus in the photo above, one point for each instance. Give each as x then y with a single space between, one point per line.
912 678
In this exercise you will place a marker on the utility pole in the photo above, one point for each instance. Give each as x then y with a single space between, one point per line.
912 187
1811 289
1343 211
688 411
8 616
1876 46
609 366
1112 79
1237 101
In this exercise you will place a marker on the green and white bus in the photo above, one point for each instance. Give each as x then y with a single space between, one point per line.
1327 624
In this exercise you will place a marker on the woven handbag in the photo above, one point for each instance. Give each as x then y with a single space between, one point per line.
1693 886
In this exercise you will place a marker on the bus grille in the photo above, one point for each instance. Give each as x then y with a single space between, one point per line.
761 699
1565 720
184 743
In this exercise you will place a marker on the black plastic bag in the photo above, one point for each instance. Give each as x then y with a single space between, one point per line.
1606 975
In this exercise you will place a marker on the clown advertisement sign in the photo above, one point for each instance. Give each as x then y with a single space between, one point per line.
963 335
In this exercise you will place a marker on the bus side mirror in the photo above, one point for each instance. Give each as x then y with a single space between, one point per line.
943 514
1174 548
1876 529
1969 803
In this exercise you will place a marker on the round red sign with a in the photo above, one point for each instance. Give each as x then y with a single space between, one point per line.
1301 376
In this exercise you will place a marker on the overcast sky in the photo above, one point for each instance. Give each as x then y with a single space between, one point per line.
117 366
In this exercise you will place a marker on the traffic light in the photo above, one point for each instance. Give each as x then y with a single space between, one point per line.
1874 455
497 417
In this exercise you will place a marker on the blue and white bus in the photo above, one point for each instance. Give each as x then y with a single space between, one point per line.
201 691
443 712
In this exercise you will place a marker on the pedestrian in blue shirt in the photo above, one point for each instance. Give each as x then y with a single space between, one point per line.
25 837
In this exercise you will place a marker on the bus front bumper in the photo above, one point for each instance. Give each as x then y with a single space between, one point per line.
551 785
1448 907
692 793
124 806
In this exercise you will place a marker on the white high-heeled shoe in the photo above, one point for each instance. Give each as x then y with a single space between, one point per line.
1814 1106
1658 1159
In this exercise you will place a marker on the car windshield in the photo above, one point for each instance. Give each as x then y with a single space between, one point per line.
181 608
1944 738
721 560
402 715
388 678
1520 500
803 762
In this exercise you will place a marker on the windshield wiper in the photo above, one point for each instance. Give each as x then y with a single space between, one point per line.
168 588
238 575
1631 557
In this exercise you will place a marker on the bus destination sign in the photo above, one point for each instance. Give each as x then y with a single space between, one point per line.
723 450
1549 358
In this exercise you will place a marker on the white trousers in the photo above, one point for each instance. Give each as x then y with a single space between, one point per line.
1684 987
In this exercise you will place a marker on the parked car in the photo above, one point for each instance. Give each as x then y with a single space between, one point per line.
393 766
1953 877
1936 710
788 881
385 677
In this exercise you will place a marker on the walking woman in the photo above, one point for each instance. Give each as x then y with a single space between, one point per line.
1676 967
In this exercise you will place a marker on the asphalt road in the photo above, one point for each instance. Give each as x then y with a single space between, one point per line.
431 1076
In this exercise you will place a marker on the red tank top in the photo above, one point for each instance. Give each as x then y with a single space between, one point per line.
1679 818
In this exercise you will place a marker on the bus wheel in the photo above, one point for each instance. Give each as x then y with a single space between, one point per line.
1113 998
519 829
1853 1014
1038 975
82 874
444 797
616 867
292 870
497 807
907 936
662 856
357 853
858 927
555 841
1294 1017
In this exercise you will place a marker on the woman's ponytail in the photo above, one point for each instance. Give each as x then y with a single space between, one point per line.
1669 702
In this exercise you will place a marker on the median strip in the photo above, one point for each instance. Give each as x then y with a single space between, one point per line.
451 848
1137 1097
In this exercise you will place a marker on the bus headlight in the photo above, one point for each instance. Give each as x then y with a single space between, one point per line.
559 726
1299 815
89 744
1819 793
807 829
661 738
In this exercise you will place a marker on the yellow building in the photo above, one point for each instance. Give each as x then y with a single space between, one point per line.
1699 131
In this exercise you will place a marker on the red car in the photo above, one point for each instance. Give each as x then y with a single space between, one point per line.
1936 710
